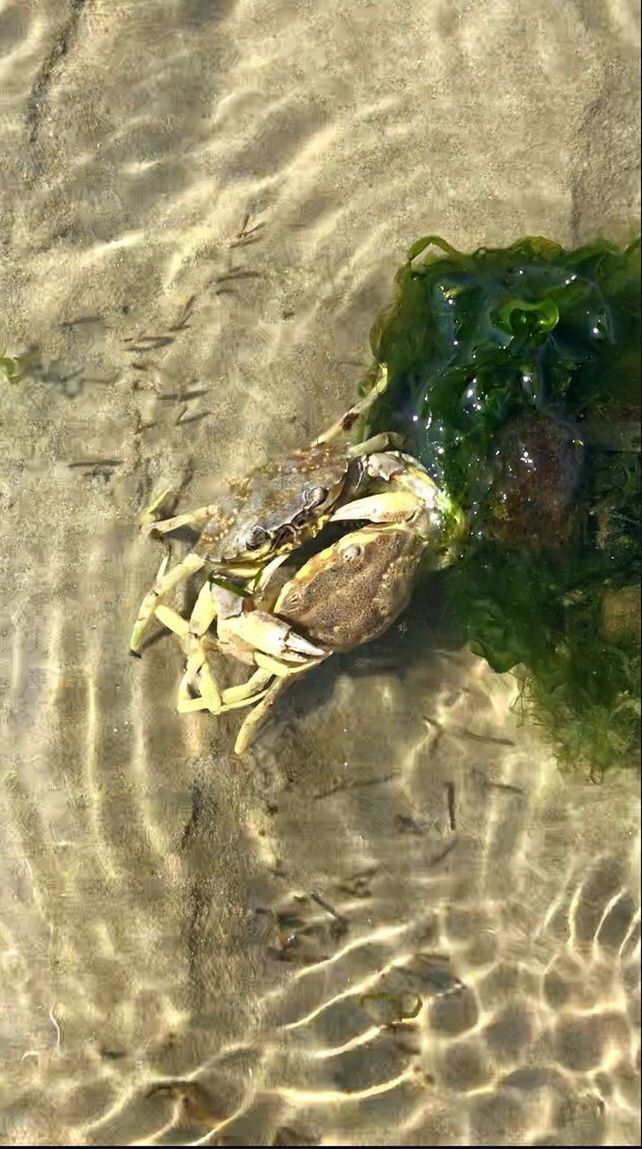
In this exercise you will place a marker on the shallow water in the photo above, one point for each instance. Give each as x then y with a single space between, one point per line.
201 207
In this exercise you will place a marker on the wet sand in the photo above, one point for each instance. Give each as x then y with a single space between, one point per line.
395 919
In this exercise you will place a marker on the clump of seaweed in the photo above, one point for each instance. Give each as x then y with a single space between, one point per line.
12 368
515 376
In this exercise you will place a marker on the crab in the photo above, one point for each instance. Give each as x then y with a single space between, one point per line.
278 507
346 595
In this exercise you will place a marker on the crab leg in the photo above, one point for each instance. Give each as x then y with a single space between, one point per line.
263 687
163 583
258 715
267 634
349 418
376 443
200 620
388 507
148 515
173 620
234 698
150 524
197 669
262 581
209 698
246 695
196 519
278 669
204 612
191 634
247 692
212 602
282 677
411 495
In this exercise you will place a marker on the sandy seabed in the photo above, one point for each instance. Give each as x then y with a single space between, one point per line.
395 920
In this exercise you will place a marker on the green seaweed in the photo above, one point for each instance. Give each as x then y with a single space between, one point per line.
514 375
12 368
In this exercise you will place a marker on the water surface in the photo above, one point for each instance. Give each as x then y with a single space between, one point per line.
395 920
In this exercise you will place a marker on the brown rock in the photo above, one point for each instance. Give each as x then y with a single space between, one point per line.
539 466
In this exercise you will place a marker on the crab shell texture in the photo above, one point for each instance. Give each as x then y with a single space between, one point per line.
279 506
353 591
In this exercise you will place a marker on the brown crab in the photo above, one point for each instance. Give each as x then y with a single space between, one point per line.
273 512
342 597
275 509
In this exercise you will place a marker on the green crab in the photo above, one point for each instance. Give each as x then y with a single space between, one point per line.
343 596
278 507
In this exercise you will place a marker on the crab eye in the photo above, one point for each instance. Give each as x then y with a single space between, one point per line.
314 496
255 538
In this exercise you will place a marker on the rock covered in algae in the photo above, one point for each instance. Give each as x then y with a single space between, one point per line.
514 375
539 466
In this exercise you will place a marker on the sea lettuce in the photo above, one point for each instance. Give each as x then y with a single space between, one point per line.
12 368
514 375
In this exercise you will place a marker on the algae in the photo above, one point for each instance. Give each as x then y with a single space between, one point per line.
12 368
514 375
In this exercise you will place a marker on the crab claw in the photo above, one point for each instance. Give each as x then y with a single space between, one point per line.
388 507
270 635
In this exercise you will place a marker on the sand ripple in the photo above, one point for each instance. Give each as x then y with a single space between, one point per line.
397 921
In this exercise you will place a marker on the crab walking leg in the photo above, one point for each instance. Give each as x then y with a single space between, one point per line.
197 669
196 519
204 612
278 669
258 715
198 672
376 443
163 583
186 704
148 515
282 675
261 583
247 692
173 620
180 626
352 414
191 634
209 697
233 698
213 602
260 691
208 687
195 627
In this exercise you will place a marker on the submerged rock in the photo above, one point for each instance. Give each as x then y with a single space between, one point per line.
539 469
